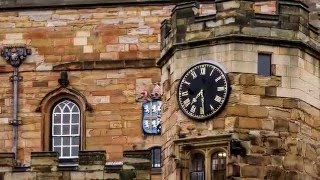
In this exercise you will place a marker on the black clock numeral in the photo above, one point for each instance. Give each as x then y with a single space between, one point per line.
194 75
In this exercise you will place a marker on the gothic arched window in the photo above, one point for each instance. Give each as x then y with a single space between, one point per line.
65 130
218 166
197 167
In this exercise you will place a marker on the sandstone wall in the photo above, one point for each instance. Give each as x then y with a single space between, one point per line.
45 165
280 126
110 54
276 118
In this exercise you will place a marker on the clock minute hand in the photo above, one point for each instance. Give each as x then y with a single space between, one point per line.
202 103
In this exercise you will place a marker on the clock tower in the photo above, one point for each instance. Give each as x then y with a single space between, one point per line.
229 109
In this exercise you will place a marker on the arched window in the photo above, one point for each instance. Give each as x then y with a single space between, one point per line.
197 167
156 157
65 130
218 166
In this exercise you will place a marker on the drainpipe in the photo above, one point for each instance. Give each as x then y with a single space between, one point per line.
15 78
15 55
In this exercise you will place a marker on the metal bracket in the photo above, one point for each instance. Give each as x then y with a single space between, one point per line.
15 55
15 122
16 78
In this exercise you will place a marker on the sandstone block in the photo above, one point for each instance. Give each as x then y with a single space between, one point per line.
80 41
255 90
4 120
88 49
294 127
83 33
293 162
268 124
116 124
250 123
279 113
252 171
237 110
109 56
250 99
230 123
44 67
14 36
44 161
310 168
56 23
128 39
281 125
117 48
257 111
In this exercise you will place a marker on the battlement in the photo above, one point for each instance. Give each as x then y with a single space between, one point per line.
236 21
89 165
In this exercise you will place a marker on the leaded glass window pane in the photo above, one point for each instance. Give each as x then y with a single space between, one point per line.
66 129
156 157
197 167
218 166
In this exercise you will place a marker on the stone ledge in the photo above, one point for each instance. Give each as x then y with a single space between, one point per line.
237 38
105 65
23 4
7 159
36 4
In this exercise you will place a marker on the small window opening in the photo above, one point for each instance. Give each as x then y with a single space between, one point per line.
264 64
156 157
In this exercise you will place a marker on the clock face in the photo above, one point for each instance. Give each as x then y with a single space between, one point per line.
203 91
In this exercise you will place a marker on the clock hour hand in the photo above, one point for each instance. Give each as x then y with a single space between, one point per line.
197 96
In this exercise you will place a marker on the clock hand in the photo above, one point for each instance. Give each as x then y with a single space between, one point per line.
202 103
197 96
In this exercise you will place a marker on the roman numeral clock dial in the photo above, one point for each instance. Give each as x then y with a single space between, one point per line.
203 91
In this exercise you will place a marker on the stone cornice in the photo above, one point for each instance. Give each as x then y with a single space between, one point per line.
289 28
238 38
52 4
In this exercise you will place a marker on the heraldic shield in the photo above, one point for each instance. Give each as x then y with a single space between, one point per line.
151 117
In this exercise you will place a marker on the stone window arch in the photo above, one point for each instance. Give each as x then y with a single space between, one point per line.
46 107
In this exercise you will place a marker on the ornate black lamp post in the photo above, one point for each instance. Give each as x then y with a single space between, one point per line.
15 55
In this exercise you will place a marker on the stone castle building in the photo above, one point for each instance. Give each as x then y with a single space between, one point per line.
173 90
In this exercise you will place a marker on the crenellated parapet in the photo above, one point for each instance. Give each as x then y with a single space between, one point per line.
235 21
89 165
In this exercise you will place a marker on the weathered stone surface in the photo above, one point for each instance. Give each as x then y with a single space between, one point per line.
293 162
